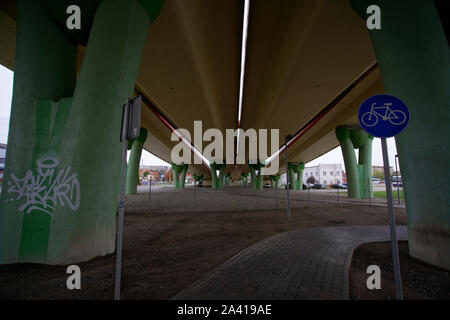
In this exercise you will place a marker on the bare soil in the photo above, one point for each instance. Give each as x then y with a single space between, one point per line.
419 280
165 252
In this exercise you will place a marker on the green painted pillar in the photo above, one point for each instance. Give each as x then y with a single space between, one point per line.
176 175
71 144
348 152
244 178
272 181
227 179
132 178
299 171
182 179
275 181
179 174
414 58
363 142
217 180
365 159
45 71
292 179
198 178
296 175
257 178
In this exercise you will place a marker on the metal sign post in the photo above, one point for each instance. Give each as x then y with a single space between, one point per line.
287 179
130 130
395 255
150 188
385 116
195 185
398 184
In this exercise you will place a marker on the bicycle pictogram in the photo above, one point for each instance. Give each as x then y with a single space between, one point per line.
395 117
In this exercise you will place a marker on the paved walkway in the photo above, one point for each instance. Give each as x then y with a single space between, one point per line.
307 263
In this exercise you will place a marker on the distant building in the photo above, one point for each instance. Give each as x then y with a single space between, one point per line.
157 172
324 174
154 168
380 169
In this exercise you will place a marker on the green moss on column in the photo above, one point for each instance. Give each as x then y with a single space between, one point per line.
414 59
132 177
348 152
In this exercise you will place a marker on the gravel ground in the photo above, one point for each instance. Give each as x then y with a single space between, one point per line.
170 241
420 280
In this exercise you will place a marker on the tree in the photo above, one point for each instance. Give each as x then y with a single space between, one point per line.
311 180
379 174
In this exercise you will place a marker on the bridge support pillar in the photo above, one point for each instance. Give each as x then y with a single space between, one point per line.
244 178
227 179
275 181
296 175
256 175
359 176
132 177
414 59
217 175
179 174
198 178
71 144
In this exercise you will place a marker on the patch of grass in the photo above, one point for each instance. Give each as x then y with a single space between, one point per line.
382 194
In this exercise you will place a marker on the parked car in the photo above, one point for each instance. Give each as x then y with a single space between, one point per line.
376 181
338 186
318 186
397 181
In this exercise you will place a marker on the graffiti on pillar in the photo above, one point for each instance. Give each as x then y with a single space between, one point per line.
46 190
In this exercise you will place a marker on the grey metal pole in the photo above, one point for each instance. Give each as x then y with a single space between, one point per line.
287 180
276 196
195 185
398 184
150 188
395 256
309 196
121 209
338 191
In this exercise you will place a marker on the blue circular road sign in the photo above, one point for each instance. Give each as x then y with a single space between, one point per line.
383 116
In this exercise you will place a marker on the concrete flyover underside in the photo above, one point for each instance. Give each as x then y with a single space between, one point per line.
303 58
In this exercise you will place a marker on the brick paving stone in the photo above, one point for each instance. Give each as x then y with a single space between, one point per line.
309 263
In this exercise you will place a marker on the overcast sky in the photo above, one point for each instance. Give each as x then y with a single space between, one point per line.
334 156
